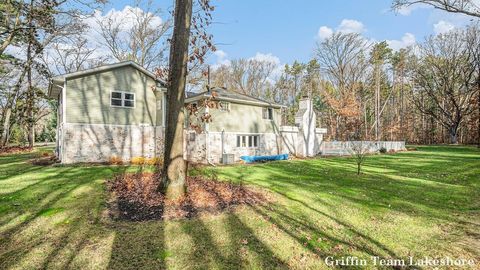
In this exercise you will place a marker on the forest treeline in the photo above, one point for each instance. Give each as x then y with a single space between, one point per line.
427 93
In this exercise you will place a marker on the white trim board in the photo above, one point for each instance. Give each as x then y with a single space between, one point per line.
114 125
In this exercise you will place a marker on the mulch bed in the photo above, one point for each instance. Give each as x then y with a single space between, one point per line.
44 161
15 149
134 197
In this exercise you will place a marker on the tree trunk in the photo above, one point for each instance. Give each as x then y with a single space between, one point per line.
402 115
6 125
478 120
377 104
30 91
9 105
174 168
453 132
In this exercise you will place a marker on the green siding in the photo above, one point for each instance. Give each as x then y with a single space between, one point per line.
88 98
244 118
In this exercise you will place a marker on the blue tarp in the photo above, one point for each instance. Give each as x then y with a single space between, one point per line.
250 159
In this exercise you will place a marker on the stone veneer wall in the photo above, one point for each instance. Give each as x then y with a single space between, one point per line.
100 143
295 143
340 148
269 144
196 149
194 146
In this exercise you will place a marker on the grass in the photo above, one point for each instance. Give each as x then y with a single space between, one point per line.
421 203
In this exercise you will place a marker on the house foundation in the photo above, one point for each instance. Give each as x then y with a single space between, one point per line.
102 143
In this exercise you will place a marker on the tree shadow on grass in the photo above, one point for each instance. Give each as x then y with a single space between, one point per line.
412 195
138 245
327 242
51 221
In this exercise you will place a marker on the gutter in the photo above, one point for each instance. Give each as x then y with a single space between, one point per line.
247 102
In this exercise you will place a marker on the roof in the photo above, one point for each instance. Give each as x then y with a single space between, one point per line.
227 95
61 78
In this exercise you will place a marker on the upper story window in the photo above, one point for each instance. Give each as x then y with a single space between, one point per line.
267 113
224 106
122 99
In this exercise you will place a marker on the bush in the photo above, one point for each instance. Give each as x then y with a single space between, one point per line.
154 161
146 161
115 161
44 161
138 161
382 150
46 154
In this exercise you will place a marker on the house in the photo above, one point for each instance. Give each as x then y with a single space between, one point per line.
242 125
118 111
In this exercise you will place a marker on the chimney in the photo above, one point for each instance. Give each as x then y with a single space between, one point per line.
305 104
305 111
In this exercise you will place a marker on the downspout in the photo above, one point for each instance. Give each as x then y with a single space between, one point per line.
207 141
223 141
64 118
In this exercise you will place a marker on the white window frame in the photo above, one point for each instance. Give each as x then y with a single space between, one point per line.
266 113
224 106
247 141
122 99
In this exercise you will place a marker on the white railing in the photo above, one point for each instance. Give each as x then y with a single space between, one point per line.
339 148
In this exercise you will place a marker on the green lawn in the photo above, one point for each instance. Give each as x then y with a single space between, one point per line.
421 203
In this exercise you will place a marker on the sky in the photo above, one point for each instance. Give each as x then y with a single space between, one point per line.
288 30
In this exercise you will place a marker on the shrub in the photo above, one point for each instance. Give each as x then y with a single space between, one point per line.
382 150
146 161
44 161
138 161
154 161
114 160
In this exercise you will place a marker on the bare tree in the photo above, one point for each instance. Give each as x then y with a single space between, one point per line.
467 7
246 76
445 76
359 151
42 23
379 55
70 54
473 45
143 39
343 65
11 22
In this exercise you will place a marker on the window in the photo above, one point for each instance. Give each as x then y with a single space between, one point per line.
248 141
194 106
267 113
224 106
122 99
